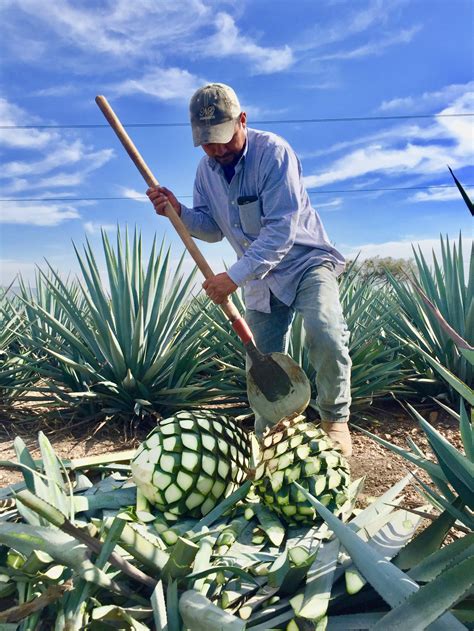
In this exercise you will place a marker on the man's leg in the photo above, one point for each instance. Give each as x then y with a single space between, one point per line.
269 331
327 339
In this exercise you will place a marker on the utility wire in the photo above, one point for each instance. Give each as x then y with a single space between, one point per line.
310 191
344 119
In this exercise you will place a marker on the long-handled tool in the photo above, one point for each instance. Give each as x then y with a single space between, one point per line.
277 386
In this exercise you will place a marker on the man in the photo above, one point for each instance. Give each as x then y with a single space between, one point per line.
249 189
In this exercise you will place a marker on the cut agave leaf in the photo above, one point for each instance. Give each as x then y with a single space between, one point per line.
158 603
427 541
422 608
63 548
387 542
391 583
313 602
200 614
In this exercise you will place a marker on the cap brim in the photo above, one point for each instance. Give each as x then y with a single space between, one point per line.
206 134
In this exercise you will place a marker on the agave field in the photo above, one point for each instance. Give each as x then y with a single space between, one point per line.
201 527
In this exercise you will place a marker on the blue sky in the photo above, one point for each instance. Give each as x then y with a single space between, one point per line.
287 61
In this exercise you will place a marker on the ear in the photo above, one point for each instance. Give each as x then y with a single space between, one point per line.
243 119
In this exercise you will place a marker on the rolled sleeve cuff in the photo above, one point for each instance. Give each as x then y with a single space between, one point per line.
240 272
185 216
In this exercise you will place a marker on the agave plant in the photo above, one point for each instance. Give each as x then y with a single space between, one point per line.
452 474
41 299
15 377
123 351
415 325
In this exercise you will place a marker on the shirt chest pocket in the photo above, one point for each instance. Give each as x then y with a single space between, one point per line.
250 213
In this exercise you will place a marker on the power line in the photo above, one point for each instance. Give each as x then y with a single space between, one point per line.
310 191
375 190
345 119
76 199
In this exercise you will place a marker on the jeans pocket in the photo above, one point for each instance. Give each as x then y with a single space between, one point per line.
250 217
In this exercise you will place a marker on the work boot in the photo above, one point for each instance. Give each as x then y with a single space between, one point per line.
339 433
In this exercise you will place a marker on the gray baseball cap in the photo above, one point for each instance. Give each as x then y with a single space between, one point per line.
214 110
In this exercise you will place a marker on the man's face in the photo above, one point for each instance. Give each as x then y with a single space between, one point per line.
228 153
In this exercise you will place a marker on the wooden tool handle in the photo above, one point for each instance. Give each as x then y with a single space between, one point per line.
228 307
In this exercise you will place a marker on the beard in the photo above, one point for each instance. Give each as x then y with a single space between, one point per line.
230 159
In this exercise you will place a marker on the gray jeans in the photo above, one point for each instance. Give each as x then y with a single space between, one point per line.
326 340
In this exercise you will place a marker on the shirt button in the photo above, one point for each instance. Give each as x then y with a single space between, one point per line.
236 225
233 203
246 243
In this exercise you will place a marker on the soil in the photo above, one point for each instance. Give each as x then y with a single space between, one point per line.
380 466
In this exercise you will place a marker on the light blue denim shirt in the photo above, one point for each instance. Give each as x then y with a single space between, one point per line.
277 235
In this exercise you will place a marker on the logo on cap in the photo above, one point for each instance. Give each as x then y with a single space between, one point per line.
207 113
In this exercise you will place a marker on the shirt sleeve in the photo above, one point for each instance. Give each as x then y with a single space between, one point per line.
198 220
280 196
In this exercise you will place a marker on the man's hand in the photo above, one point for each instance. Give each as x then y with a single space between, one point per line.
218 287
160 196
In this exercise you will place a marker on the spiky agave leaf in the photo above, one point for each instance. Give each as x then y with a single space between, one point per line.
442 296
464 195
125 349
16 377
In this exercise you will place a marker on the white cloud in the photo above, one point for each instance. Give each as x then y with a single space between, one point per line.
12 115
440 195
137 196
405 36
123 32
59 180
37 214
58 90
94 227
228 41
165 84
51 161
354 25
407 131
444 141
65 153
120 28
461 129
174 83
334 204
378 159
422 102
348 23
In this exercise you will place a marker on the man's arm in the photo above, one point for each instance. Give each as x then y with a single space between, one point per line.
197 220
280 197
200 225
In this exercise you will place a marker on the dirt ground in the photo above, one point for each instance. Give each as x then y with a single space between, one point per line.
381 467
